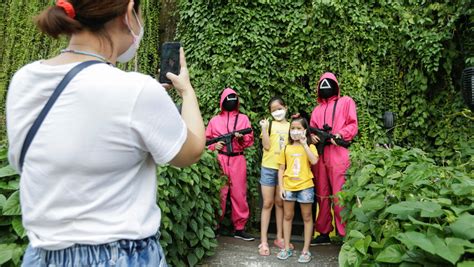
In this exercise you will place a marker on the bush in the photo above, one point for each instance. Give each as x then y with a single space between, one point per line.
403 209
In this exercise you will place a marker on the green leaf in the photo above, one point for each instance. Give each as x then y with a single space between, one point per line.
18 227
391 254
356 234
7 171
6 252
466 264
451 254
199 252
208 232
403 209
411 239
463 227
12 205
3 200
373 204
417 222
192 260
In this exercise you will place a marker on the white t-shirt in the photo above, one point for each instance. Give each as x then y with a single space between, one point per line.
89 176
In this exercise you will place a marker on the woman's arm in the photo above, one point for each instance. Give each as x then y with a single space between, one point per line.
194 145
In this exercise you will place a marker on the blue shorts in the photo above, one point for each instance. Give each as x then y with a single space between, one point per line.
268 177
301 196
122 253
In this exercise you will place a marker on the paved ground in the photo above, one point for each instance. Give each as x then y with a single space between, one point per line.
235 252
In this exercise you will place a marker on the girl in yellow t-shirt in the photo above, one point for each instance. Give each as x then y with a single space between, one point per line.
296 181
274 138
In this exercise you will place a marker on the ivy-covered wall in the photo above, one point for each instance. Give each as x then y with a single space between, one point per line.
399 56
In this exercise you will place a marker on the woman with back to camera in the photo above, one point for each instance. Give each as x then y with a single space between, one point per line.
88 180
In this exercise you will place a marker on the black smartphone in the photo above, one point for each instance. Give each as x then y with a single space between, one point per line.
169 60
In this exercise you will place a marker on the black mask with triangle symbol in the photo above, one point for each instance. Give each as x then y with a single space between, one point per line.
327 88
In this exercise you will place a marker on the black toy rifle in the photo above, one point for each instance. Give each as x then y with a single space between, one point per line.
325 139
227 138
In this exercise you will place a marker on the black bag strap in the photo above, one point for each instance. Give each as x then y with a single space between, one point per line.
52 99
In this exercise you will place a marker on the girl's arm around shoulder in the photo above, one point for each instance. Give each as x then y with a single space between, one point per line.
281 171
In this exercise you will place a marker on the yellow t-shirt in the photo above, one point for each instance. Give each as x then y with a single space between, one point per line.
278 140
297 175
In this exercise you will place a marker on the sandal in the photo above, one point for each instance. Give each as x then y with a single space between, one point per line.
305 257
263 249
284 254
280 243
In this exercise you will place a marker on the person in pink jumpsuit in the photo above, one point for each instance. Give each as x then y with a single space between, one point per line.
338 116
233 164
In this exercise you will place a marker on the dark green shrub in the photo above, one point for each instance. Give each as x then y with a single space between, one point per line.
403 209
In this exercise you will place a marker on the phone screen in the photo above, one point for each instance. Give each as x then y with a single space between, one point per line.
169 60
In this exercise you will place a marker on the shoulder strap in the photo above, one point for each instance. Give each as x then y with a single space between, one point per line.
52 99
270 129
235 122
334 112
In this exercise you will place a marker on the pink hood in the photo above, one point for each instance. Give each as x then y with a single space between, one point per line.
331 76
224 94
224 123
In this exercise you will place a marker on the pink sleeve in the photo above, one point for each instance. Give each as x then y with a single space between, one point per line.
349 131
248 139
209 134
312 122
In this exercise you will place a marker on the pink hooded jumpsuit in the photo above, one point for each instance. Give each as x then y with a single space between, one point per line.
234 167
330 170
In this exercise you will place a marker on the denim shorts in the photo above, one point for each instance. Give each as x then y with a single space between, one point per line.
268 177
301 196
122 253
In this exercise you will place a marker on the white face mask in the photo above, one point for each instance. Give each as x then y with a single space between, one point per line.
279 114
296 134
132 50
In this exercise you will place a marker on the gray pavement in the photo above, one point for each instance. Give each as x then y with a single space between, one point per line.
236 252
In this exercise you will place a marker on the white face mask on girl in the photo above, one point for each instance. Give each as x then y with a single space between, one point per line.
296 134
132 50
279 114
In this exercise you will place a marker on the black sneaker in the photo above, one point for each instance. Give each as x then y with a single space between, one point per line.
241 234
322 239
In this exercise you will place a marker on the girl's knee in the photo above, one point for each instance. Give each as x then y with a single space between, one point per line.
307 218
279 203
288 216
267 204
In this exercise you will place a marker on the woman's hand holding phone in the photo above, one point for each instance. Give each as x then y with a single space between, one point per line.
181 82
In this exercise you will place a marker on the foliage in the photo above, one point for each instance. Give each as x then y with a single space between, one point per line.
13 238
189 201
22 43
405 57
402 209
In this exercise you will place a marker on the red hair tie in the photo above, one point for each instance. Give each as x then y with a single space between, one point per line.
68 8
296 116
